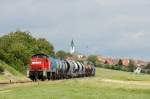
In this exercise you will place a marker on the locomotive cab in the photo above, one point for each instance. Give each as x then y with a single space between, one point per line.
39 66
39 62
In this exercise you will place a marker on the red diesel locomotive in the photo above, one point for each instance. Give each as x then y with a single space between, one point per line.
44 67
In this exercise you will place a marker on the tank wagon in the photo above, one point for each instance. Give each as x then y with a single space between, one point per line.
43 67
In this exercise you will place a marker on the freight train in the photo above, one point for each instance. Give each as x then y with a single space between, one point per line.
43 67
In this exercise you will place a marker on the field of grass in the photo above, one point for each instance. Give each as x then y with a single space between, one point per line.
84 88
120 75
10 74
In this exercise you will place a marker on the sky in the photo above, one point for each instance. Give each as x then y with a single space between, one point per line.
114 28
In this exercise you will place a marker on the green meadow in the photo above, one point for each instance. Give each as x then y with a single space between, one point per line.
107 84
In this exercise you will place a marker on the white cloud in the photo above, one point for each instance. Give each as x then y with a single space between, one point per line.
109 27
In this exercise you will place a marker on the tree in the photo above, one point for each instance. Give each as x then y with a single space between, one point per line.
120 62
148 66
43 46
61 54
131 66
16 49
94 60
119 65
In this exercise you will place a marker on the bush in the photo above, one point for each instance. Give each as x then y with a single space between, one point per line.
114 67
108 66
98 64
145 71
123 68
148 66
117 67
2 69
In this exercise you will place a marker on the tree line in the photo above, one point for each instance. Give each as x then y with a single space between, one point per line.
119 66
16 49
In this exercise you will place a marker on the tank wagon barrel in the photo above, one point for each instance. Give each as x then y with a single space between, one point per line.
43 67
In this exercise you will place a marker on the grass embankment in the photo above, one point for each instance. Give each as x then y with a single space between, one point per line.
84 88
120 75
10 74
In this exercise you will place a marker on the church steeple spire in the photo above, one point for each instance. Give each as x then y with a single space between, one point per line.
72 47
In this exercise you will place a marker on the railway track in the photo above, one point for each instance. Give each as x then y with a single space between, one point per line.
28 81
14 82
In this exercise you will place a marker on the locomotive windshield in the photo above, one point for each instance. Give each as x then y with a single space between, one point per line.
40 56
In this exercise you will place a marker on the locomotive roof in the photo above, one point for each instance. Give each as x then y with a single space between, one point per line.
40 55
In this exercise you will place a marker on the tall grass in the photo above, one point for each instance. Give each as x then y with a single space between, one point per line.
9 68
13 75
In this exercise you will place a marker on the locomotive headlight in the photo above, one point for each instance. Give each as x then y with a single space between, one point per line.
44 73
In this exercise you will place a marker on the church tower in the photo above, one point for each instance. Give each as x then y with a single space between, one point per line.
72 47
